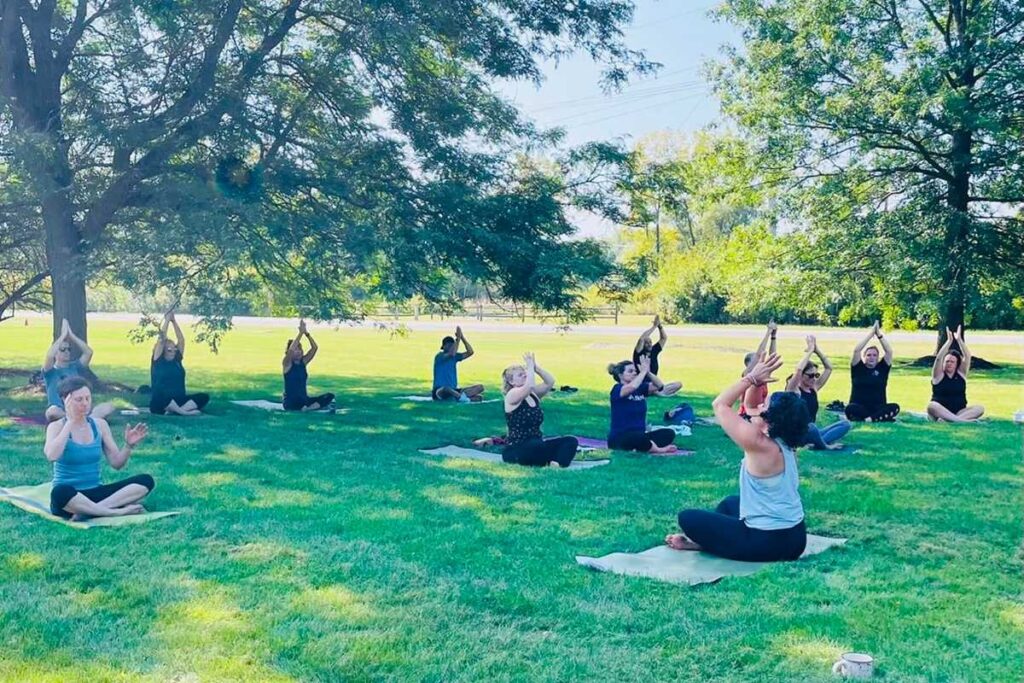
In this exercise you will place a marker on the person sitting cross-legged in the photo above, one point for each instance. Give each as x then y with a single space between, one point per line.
765 522
526 444
167 375
869 378
949 382
59 365
628 398
296 396
446 374
807 381
76 445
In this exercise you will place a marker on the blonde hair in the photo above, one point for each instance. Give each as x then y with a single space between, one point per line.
506 377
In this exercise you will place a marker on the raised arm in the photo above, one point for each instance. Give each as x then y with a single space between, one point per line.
859 348
118 456
772 330
769 335
645 335
158 347
798 371
179 338
313 348
745 434
57 435
517 395
940 357
642 371
547 381
459 336
662 334
85 350
286 362
51 354
826 365
965 363
886 347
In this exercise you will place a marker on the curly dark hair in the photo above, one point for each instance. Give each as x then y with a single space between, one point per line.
616 369
787 417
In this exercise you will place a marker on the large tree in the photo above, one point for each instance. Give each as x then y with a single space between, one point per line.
902 120
324 146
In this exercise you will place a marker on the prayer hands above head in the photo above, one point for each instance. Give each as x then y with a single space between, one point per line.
959 334
133 435
762 371
302 326
458 332
657 321
529 358
65 327
772 326
878 328
812 342
645 365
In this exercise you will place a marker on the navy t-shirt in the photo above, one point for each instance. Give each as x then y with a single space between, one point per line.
868 385
445 372
629 413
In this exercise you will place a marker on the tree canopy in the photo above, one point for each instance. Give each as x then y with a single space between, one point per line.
325 148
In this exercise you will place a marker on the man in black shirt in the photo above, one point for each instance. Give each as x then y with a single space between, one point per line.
869 377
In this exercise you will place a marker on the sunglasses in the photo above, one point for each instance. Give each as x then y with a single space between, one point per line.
64 348
813 375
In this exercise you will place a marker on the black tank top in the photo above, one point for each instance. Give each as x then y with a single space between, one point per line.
811 399
524 422
951 392
295 382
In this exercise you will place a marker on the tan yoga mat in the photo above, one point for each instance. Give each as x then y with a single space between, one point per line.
474 454
36 499
689 567
263 404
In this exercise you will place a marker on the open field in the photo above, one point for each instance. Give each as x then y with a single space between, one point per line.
326 548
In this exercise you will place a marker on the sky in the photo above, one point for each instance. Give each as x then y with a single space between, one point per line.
676 33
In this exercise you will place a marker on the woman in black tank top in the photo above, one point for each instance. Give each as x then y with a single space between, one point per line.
949 382
296 396
807 380
523 414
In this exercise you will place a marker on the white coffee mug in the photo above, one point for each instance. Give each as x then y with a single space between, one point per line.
854 665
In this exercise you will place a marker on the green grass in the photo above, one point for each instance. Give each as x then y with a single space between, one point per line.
321 549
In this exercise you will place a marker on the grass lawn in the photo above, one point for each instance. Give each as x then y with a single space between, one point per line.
326 548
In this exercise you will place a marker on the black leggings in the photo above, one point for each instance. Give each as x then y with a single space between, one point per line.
541 452
858 412
61 494
723 533
322 400
158 406
641 441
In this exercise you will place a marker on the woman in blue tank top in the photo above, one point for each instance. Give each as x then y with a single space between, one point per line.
765 522
76 445
296 396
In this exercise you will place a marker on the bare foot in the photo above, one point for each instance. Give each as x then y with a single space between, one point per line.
662 450
680 542
131 509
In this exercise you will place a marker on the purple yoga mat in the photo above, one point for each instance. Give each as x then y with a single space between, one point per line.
22 420
592 443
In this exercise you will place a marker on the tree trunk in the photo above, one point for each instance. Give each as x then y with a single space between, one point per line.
67 271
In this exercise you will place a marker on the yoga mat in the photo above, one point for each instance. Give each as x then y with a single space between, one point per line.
473 454
680 430
263 404
586 442
686 566
28 420
36 499
141 410
428 398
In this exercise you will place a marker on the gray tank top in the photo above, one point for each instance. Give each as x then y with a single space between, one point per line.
770 503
